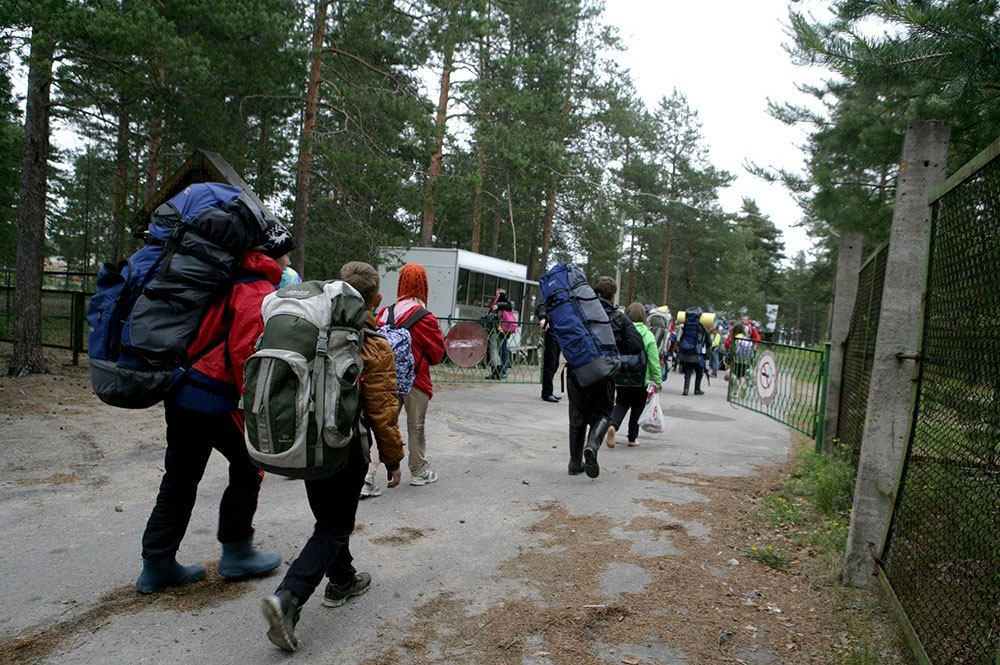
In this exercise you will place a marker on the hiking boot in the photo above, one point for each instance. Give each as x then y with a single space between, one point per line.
425 477
282 613
338 594
240 560
594 441
370 489
157 574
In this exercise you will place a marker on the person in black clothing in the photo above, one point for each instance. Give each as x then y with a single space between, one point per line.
691 349
592 406
550 359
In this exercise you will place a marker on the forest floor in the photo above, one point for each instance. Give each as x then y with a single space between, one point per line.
672 555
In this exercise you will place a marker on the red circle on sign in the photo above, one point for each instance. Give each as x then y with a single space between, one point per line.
466 343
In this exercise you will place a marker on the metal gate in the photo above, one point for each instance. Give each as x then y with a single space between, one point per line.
942 552
489 353
786 383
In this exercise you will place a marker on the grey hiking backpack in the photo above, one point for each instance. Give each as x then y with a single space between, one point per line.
301 394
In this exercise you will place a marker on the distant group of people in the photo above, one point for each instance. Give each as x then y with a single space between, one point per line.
203 413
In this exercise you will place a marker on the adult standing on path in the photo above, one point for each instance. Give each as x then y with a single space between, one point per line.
550 359
428 349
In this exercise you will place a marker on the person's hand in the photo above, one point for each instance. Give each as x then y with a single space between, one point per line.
394 477
543 323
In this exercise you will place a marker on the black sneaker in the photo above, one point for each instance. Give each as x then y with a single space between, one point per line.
282 612
336 594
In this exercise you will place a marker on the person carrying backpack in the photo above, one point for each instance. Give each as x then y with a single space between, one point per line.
334 498
503 324
202 414
632 386
691 349
410 311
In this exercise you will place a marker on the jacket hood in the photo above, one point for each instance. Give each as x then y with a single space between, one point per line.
262 265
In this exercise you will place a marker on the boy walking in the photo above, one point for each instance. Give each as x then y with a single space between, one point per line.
409 311
632 385
334 499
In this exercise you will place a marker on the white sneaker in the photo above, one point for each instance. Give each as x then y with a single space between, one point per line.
370 489
425 477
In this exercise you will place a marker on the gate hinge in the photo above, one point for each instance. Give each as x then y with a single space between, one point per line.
909 356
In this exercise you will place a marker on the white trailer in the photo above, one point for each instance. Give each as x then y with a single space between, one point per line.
461 284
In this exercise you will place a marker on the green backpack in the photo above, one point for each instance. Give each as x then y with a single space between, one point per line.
301 396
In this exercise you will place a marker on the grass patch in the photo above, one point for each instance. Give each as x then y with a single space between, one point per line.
807 519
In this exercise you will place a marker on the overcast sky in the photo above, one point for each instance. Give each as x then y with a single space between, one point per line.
726 56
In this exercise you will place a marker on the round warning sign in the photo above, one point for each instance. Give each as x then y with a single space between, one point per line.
466 343
767 377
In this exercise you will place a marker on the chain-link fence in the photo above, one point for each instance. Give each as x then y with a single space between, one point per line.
859 353
484 350
942 555
780 381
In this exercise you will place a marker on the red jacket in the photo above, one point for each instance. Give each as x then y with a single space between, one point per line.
428 341
749 330
226 338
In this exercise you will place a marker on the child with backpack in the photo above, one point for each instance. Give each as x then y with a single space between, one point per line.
503 324
632 387
410 312
741 351
201 414
334 498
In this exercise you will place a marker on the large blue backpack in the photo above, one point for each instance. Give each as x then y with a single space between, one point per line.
580 324
692 338
147 309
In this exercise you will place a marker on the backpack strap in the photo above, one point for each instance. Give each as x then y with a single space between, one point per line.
390 315
412 319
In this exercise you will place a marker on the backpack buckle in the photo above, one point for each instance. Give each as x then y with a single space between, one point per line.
322 343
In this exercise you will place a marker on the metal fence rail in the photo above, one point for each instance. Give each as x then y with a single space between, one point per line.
859 353
63 319
510 357
942 553
782 382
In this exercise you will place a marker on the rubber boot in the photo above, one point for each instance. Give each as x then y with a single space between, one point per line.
577 435
697 384
594 442
240 560
687 382
157 574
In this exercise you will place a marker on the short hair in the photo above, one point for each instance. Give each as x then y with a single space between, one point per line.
636 311
363 277
606 287
737 329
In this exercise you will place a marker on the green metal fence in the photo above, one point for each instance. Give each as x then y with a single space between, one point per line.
63 319
786 383
523 354
942 553
859 353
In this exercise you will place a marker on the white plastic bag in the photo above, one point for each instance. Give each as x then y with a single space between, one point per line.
651 419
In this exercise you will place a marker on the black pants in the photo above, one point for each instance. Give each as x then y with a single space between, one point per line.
630 399
334 503
550 362
698 370
590 404
191 436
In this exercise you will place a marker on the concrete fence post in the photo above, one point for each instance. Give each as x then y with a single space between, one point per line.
887 419
844 296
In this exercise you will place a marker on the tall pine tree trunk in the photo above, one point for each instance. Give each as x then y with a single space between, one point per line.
155 134
27 355
119 191
477 201
668 246
495 247
300 217
440 125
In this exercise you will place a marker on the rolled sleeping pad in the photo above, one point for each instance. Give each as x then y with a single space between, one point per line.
707 318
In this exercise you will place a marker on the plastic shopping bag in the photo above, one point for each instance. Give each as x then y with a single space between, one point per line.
651 419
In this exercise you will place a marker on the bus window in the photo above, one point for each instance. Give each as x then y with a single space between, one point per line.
475 288
489 289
